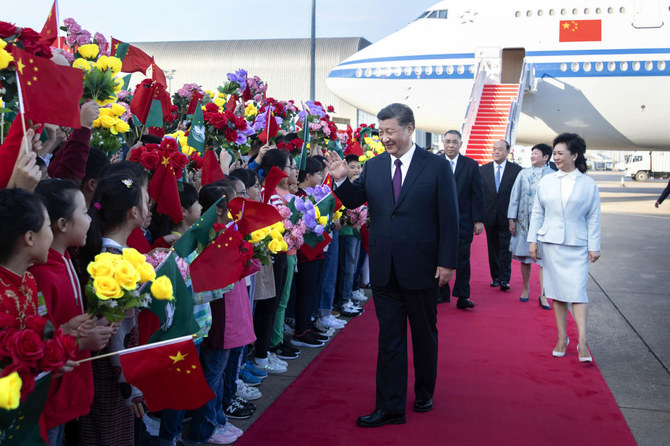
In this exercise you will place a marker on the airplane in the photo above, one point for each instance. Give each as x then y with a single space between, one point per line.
525 71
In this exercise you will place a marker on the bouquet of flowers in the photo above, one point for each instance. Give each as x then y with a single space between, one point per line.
114 285
241 85
224 128
267 241
29 348
293 230
109 127
150 156
182 98
321 128
355 217
370 143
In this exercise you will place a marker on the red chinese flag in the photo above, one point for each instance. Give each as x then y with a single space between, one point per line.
169 376
232 102
162 95
50 92
252 215
163 189
141 102
9 150
271 128
313 253
211 169
271 181
194 102
134 59
219 264
49 32
580 31
157 74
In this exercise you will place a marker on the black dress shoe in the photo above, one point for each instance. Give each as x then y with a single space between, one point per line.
423 406
504 286
380 417
464 303
495 283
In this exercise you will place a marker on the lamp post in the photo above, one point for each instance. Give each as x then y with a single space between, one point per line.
170 75
312 68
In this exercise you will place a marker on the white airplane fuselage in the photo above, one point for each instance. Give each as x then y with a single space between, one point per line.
614 91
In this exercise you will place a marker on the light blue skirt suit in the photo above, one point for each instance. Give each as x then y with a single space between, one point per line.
565 235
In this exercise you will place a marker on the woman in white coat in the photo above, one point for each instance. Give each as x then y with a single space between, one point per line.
566 223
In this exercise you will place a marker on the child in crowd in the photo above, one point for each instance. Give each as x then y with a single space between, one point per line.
71 394
120 205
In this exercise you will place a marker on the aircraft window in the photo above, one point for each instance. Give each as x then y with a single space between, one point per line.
611 66
540 12
418 71
432 15
442 14
661 65
428 70
408 71
587 11
529 13
423 14
460 69
552 12
368 72
587 66
471 69
574 66
649 65
439 70
623 66
610 10
564 67
575 11
359 72
397 71
517 14
563 11
599 66
599 11
636 66
450 69
622 10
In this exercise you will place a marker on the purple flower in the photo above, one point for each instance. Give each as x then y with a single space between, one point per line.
75 28
318 230
82 39
100 39
241 139
315 109
69 21
300 205
258 98
71 39
239 77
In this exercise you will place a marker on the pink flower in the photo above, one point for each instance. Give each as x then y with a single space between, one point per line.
74 28
71 39
82 39
69 21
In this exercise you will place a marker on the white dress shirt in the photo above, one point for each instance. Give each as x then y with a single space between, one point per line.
502 169
405 160
567 184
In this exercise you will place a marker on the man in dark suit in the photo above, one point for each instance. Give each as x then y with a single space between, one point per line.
413 240
498 178
471 215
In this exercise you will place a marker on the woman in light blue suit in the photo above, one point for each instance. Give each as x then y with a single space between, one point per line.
566 223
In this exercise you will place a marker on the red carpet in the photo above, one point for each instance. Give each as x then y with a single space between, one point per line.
497 383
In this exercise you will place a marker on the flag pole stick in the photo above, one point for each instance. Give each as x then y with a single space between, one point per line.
136 349
21 108
57 25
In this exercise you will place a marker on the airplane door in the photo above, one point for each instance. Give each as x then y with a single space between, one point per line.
491 58
647 14
512 64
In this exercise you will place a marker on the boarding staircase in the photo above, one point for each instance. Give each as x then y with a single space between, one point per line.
493 112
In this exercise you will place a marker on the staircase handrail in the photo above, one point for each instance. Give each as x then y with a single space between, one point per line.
525 82
473 103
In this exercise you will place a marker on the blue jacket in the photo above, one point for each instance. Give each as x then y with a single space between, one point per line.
418 233
576 225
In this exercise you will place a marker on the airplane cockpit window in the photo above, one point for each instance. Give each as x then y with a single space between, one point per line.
436 14
423 14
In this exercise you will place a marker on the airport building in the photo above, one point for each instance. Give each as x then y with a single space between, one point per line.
284 64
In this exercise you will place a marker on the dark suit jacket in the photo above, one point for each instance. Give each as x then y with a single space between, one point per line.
470 194
416 234
496 204
664 194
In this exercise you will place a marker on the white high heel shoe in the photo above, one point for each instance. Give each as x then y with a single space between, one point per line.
558 354
584 358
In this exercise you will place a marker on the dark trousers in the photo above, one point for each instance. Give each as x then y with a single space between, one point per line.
500 257
307 290
394 306
462 282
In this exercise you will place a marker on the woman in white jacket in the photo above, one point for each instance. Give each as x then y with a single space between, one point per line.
566 223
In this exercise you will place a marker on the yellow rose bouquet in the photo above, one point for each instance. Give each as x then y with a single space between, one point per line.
115 282
267 241
109 128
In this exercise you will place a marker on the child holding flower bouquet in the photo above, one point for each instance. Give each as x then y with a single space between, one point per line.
70 395
119 206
